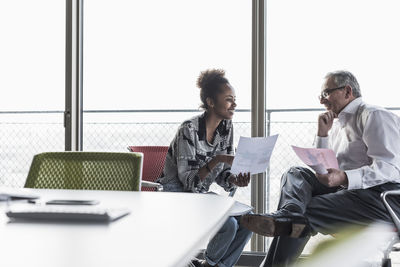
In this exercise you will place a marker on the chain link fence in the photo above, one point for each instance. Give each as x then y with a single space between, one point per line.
21 137
24 134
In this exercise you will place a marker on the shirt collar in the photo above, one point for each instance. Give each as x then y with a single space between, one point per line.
202 127
222 129
349 110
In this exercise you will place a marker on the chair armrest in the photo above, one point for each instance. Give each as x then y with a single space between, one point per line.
392 214
158 186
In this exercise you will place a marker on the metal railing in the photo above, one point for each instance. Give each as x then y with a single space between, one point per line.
26 133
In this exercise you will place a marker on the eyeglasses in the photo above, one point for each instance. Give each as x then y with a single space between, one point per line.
326 92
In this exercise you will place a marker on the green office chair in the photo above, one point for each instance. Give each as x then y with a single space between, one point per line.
86 171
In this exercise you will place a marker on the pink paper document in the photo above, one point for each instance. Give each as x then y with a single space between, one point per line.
318 159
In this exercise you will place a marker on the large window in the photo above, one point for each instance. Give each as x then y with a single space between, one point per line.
148 54
141 60
141 55
32 53
305 40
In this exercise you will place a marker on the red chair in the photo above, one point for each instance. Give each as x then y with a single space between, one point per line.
153 163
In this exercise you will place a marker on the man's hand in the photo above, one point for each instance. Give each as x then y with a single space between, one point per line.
325 121
240 180
333 178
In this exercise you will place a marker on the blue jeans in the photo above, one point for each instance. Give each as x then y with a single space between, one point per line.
227 245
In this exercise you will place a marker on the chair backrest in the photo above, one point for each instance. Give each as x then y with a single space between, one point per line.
86 170
153 161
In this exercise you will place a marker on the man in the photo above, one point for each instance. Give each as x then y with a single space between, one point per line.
366 140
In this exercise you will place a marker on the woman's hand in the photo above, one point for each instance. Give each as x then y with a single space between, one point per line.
225 158
220 158
240 180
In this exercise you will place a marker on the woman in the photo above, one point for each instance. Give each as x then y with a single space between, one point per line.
201 153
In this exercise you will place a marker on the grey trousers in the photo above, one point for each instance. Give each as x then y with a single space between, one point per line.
327 209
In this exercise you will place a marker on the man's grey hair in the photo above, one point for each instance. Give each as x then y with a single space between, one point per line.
343 78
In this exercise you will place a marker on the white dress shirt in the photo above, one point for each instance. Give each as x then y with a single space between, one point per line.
366 140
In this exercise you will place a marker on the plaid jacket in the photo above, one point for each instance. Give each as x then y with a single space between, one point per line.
190 150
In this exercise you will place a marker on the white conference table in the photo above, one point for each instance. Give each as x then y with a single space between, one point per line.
163 229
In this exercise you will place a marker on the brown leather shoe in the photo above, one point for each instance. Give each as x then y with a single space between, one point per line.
280 223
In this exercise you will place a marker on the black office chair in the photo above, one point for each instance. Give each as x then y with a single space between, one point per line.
386 261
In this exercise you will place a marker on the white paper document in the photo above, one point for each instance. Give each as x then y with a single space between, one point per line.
318 159
240 208
253 154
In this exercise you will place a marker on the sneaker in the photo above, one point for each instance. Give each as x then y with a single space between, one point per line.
197 263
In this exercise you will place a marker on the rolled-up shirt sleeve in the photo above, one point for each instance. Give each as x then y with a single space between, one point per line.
223 178
381 136
321 142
